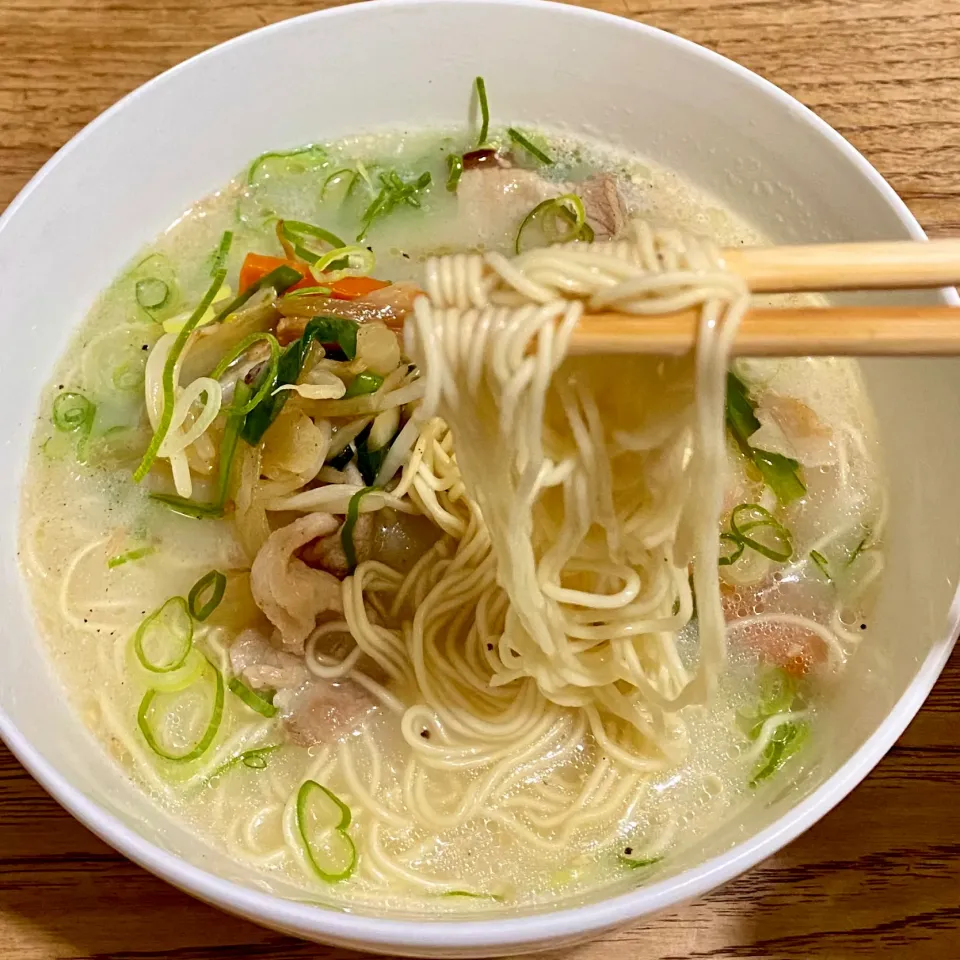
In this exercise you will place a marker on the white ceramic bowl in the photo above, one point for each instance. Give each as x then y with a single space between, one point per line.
410 63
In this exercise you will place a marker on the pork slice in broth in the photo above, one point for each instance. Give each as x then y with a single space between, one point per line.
313 709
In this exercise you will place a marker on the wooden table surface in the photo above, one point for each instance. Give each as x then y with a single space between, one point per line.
879 876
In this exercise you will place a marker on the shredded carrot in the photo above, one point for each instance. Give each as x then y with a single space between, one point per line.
257 265
350 288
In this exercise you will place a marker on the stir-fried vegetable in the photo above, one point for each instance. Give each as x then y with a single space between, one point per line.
322 821
364 383
323 330
169 398
781 474
228 450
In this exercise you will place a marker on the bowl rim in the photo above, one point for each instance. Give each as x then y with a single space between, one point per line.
495 931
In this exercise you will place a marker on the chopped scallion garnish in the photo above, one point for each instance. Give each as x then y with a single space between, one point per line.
152 293
484 111
254 699
216 583
168 633
73 411
223 251
200 748
634 862
314 151
786 740
527 145
732 548
297 232
821 561
568 208
121 558
454 171
322 821
748 521
252 759
345 261
393 191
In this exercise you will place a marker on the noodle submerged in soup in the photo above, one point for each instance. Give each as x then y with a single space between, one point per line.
400 617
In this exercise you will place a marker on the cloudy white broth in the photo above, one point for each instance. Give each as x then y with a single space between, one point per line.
242 532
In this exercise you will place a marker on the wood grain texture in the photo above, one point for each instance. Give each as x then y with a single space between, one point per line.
878 877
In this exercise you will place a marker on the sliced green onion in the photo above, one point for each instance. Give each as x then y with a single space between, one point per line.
787 739
223 251
268 377
121 558
363 259
732 549
152 293
216 583
364 383
291 155
821 561
346 533
252 759
73 411
322 821
473 895
166 417
635 862
747 517
369 459
200 748
280 279
454 171
859 548
531 148
393 191
297 231
320 329
228 450
484 111
168 623
335 176
253 699
128 376
781 474
308 292
778 693
568 207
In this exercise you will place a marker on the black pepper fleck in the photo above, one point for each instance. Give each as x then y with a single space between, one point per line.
863 626
489 646
425 734
628 851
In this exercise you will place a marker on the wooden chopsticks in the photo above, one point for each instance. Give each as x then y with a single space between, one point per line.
809 331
